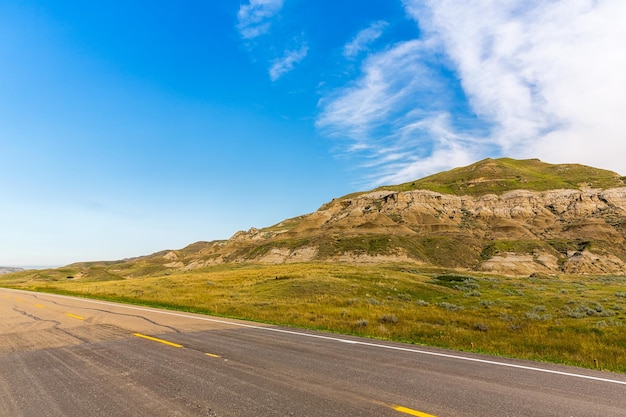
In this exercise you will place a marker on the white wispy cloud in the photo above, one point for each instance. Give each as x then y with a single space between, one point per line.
254 18
364 38
395 115
286 63
388 81
546 74
541 78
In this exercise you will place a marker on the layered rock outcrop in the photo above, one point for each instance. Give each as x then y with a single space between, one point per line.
518 232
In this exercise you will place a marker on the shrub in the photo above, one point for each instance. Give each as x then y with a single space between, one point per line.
467 285
389 319
450 306
453 281
535 314
362 323
481 327
537 317
404 297
579 311
373 301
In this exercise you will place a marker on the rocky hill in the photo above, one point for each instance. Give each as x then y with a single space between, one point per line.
504 216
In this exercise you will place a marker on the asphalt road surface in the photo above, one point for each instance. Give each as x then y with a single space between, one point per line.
64 356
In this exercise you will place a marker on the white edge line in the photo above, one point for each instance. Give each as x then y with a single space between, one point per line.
336 339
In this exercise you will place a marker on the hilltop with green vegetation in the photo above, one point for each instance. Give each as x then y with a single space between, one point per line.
514 258
498 176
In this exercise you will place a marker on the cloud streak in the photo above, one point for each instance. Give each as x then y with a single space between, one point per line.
538 79
396 115
254 19
364 38
287 62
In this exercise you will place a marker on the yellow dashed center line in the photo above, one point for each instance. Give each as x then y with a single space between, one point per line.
39 306
213 355
154 339
74 316
410 412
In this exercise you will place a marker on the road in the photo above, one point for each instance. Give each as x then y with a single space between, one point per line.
64 356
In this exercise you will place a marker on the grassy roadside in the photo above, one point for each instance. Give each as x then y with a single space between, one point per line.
576 320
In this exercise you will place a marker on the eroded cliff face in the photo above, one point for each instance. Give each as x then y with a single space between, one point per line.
519 232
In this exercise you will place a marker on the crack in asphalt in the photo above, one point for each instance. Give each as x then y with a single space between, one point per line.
56 324
114 313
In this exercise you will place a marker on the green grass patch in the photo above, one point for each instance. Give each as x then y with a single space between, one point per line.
516 246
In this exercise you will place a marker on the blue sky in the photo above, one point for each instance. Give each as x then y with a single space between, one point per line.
132 127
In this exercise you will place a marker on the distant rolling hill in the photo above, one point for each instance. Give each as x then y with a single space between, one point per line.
9 269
